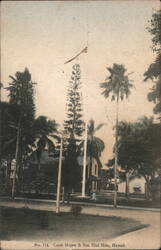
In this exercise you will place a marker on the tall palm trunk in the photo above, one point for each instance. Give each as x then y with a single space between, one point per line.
8 172
147 188
127 186
116 154
16 158
0 127
59 178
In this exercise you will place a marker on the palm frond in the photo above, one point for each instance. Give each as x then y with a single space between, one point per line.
99 144
51 145
99 126
56 137
117 84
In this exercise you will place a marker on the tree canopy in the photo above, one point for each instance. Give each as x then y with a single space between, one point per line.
154 70
74 124
73 127
139 146
117 84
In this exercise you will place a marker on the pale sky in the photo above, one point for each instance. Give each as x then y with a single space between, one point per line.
43 35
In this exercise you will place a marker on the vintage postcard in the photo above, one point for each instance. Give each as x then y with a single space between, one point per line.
80 125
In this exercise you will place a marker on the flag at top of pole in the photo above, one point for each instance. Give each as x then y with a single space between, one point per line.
85 50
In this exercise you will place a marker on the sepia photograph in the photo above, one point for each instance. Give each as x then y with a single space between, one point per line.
80 125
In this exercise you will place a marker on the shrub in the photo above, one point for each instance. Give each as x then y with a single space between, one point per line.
76 210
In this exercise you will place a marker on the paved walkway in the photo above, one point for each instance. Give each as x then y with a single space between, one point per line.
146 238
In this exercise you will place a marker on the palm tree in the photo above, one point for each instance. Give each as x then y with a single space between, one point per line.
95 145
44 130
118 86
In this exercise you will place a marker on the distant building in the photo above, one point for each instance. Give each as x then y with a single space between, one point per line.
47 164
46 159
93 179
136 185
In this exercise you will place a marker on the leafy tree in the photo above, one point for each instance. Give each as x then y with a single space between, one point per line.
21 93
127 150
10 115
139 147
8 134
118 86
154 70
152 150
73 127
154 29
71 172
44 131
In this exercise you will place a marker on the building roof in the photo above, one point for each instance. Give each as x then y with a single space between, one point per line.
45 159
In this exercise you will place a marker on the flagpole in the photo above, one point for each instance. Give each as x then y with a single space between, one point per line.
75 57
84 162
59 177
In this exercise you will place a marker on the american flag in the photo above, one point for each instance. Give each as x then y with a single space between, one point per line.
85 50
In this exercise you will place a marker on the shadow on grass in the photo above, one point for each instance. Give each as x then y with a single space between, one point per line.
29 225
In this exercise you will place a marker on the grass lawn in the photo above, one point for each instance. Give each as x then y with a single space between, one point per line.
32 225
